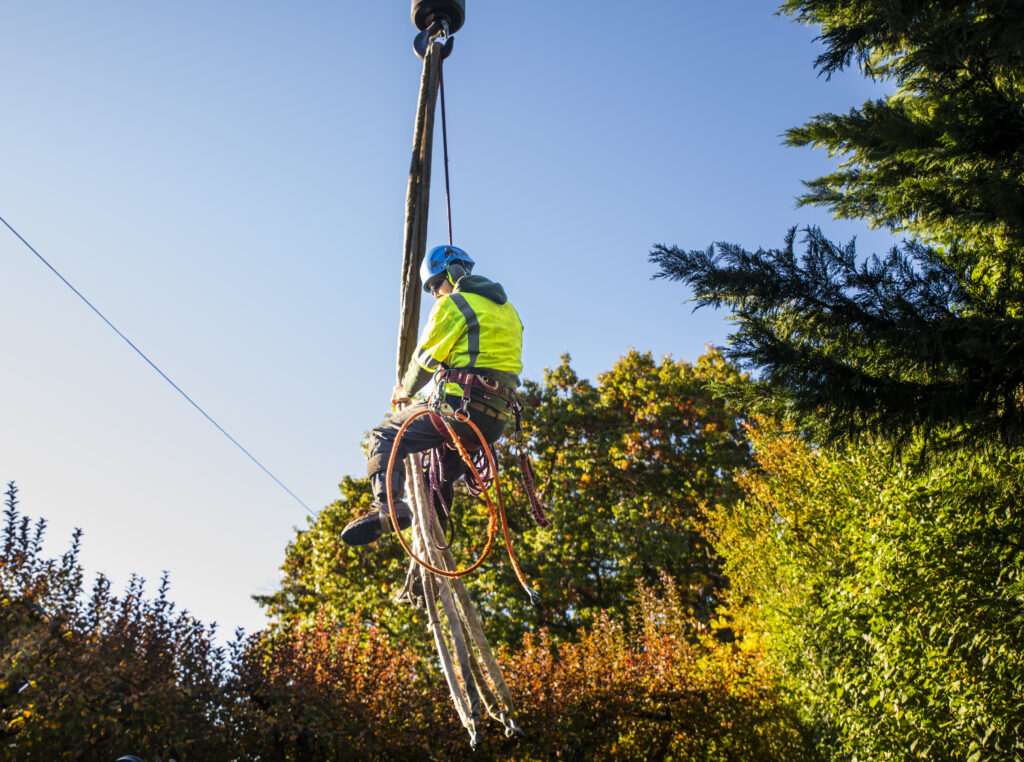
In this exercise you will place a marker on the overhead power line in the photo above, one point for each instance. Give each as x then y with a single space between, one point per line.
154 366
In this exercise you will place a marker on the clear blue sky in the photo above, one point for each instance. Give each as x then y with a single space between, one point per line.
226 182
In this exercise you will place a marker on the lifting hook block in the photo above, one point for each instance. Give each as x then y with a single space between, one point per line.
426 12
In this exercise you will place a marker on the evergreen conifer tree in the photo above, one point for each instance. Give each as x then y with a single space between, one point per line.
931 336
943 157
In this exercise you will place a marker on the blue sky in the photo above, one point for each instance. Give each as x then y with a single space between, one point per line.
226 182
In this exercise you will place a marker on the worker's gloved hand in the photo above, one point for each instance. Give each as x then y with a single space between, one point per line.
398 397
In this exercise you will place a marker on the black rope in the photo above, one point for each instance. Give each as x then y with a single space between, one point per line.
444 141
154 367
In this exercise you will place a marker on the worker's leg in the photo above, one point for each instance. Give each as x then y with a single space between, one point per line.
419 436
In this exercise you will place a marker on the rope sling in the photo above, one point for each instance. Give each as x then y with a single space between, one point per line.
471 671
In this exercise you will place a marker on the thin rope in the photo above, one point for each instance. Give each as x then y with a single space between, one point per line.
444 141
153 365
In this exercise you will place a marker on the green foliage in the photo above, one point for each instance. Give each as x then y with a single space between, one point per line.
885 586
892 599
322 575
623 465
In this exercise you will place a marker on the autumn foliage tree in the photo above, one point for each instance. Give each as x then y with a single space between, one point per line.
93 677
335 689
623 466
655 684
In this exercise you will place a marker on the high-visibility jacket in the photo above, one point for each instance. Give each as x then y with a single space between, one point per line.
475 327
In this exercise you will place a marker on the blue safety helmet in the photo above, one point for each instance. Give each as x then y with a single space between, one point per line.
439 259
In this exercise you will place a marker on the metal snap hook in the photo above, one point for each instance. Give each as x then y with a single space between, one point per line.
439 30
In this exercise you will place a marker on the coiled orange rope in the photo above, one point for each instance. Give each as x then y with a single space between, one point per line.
494 512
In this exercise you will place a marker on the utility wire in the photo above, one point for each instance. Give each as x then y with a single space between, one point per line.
154 367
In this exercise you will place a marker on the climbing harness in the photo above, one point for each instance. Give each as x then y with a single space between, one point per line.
468 380
440 410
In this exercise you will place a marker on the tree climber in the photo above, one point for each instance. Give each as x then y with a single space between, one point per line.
474 338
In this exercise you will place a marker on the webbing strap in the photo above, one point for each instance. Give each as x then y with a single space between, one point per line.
490 386
472 327
417 203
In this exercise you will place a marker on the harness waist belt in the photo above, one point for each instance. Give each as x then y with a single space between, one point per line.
486 409
479 380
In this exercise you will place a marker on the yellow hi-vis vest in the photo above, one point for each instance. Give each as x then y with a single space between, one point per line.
467 330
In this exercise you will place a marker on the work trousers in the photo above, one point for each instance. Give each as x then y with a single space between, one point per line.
419 436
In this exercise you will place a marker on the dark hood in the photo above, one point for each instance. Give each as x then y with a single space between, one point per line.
478 284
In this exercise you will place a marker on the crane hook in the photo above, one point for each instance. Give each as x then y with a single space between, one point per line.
437 18
439 30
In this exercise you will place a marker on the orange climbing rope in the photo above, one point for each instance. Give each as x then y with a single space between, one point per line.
493 511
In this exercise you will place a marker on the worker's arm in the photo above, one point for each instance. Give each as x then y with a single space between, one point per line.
415 379
440 334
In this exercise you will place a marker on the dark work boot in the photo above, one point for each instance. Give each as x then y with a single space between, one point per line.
375 522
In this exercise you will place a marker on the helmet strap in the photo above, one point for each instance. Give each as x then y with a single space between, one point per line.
455 272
